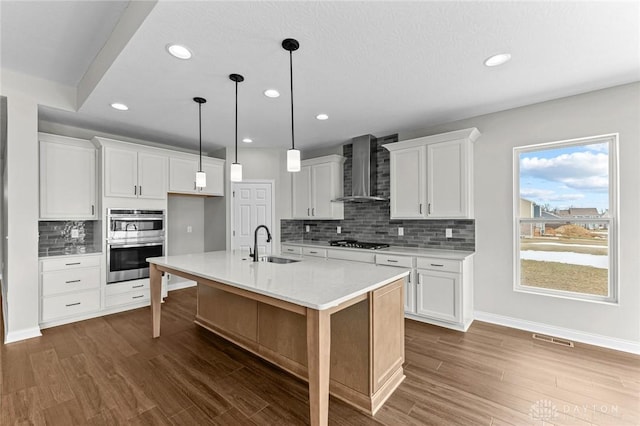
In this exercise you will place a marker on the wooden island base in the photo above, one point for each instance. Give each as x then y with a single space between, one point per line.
366 337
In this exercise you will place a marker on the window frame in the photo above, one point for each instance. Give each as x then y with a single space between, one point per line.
612 220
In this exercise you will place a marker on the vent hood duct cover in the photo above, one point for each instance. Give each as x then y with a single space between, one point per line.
363 171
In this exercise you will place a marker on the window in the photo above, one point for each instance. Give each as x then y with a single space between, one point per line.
565 203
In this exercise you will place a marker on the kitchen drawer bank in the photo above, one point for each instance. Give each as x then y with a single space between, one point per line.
73 288
439 289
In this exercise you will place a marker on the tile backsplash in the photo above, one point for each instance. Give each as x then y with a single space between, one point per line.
370 221
55 237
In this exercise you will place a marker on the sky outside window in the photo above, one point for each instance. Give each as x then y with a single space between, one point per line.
571 176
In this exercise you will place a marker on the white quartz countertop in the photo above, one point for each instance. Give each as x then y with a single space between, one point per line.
405 251
313 282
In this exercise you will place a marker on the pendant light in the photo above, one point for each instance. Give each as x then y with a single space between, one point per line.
201 177
236 168
293 155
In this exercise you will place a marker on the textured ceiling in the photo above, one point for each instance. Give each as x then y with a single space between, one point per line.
373 67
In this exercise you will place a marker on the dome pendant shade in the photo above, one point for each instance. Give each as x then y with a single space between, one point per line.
201 177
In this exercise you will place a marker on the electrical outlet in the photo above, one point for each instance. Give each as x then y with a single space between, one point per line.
448 233
306 228
338 229
75 233
400 231
189 228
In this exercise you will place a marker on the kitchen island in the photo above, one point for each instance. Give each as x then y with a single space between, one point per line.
337 324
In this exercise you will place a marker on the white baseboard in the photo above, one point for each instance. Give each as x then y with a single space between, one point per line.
565 333
27 333
181 284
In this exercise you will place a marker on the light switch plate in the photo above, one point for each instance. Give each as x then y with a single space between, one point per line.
338 229
189 228
448 233
306 228
75 233
400 231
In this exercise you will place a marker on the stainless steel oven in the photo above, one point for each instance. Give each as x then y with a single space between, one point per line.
134 235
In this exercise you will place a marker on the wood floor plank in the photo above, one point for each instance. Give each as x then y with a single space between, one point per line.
116 374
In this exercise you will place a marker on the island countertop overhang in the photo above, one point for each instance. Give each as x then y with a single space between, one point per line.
313 283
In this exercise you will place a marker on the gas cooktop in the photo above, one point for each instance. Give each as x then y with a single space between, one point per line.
357 244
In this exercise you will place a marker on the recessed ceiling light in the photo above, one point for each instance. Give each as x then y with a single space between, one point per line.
322 116
499 59
247 140
119 106
179 51
271 93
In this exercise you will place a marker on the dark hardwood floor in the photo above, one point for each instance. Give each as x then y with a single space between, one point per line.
108 371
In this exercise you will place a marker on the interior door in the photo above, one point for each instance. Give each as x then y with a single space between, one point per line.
252 204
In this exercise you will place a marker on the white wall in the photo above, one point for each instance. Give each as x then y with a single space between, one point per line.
185 211
605 111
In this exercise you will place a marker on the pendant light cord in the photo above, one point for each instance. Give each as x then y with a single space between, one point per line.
236 122
293 144
200 130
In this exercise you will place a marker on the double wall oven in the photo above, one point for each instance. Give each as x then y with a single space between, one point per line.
133 236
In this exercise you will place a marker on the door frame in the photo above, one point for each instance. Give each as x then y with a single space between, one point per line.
275 231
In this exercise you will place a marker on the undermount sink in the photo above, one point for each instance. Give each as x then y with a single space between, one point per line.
275 259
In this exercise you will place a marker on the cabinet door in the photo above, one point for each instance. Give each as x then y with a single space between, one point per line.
152 176
215 178
121 173
323 184
410 294
301 188
182 175
437 295
67 181
447 180
408 186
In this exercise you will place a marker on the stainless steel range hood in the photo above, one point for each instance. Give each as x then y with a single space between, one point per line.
363 171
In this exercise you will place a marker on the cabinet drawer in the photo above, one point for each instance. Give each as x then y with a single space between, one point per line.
291 249
67 263
312 251
385 259
127 298
351 255
125 287
55 282
434 264
70 304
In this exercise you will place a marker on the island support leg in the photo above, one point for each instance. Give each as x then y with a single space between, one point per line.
155 278
318 353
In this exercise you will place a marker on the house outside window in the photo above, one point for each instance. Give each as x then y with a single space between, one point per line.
565 204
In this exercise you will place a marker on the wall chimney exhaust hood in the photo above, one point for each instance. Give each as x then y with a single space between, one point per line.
363 171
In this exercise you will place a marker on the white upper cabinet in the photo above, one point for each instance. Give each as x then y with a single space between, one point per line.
131 173
432 177
319 181
182 175
67 178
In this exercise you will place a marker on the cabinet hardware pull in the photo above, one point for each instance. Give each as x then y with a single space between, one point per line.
313 211
436 264
313 252
138 286
72 304
392 261
420 208
72 281
135 189
93 209
289 249
308 212
429 208
137 297
74 263
140 191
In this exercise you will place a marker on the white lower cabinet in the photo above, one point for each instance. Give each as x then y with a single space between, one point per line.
402 262
128 292
69 287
